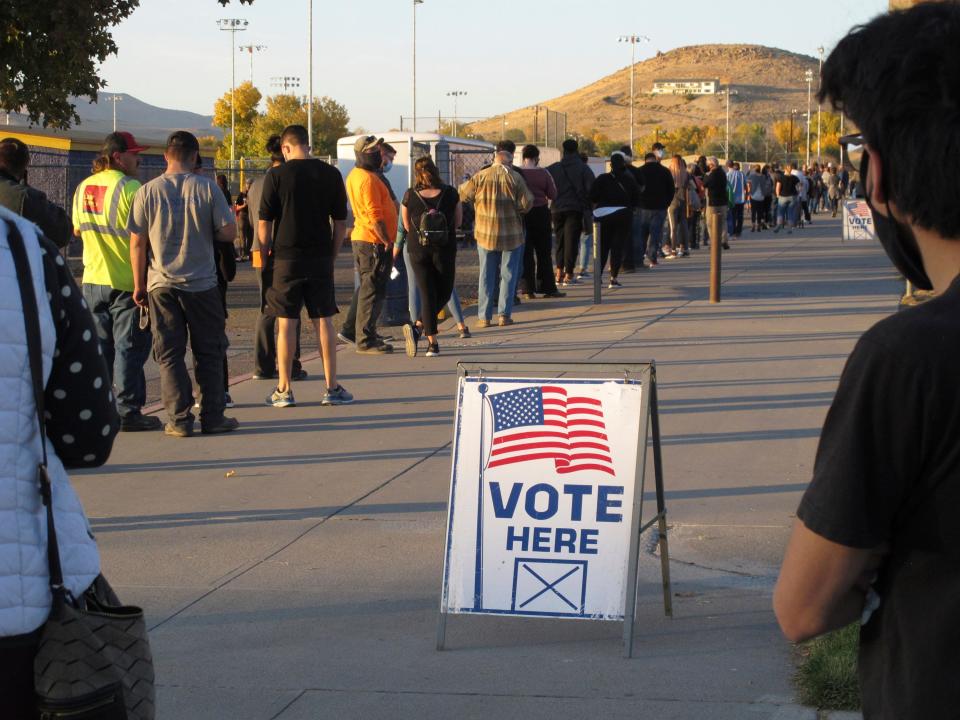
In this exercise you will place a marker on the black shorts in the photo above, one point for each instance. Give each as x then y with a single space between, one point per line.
302 284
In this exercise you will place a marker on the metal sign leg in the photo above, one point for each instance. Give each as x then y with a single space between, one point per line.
661 501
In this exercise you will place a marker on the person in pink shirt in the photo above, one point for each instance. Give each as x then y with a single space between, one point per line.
537 263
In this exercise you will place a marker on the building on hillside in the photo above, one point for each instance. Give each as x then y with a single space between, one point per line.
685 87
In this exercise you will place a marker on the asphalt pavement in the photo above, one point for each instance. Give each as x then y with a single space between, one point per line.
292 569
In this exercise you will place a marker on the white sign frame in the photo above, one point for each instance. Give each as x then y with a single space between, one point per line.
636 374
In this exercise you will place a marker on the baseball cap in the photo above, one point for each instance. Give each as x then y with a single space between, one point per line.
121 142
367 143
183 139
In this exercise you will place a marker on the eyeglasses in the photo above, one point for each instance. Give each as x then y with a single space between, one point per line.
853 146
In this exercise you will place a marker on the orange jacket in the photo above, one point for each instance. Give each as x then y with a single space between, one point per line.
371 203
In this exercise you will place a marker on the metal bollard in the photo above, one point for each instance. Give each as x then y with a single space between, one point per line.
597 267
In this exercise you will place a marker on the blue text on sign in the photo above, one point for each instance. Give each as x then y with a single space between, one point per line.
542 501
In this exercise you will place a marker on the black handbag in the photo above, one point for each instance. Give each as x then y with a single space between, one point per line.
93 660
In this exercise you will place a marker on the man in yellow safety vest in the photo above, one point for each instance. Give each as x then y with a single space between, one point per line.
101 208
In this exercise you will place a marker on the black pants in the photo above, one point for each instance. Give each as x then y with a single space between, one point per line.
569 225
615 232
16 676
265 340
757 212
174 314
373 263
805 206
435 272
738 219
537 265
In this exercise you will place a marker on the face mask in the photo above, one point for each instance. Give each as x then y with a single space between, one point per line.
898 241
388 167
370 160
659 154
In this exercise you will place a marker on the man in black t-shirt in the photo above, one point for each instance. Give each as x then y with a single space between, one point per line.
302 197
787 190
877 536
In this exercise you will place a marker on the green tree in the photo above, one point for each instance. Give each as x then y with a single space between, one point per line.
748 140
516 134
781 131
50 51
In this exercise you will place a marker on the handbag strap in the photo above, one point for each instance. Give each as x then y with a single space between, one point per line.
31 322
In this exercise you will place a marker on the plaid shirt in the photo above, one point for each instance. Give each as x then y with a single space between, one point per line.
500 197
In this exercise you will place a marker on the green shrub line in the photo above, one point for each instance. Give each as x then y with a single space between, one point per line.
827 674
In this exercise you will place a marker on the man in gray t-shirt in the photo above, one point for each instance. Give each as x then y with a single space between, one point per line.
174 222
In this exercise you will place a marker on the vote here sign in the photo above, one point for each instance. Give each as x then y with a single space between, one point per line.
541 497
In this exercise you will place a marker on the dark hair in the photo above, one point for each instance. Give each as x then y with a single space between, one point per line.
426 174
273 148
530 151
294 135
617 163
898 79
181 145
625 149
650 156
388 148
584 157
507 146
657 146
14 156
570 146
222 182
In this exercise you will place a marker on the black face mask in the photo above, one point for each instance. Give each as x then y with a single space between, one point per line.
370 160
897 239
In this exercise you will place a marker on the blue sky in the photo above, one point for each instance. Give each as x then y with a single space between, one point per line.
504 53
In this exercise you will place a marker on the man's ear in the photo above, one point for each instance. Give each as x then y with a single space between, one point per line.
873 182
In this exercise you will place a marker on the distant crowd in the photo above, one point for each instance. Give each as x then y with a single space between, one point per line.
158 257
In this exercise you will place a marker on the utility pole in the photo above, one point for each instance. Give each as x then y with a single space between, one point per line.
113 99
232 26
310 74
415 3
285 82
809 78
728 92
819 105
252 49
455 94
633 40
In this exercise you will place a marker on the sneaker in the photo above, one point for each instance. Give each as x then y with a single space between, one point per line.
582 274
569 280
614 283
410 337
465 333
136 422
505 320
685 253
481 323
433 350
264 376
227 400
299 374
226 424
528 296
180 430
726 246
653 263
346 339
555 294
777 229
337 396
378 349
281 399
670 256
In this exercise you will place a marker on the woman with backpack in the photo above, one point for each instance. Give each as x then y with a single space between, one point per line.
696 199
614 195
431 214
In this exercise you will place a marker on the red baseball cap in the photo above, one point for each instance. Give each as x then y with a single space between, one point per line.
122 142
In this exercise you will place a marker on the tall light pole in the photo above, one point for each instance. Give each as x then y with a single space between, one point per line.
819 105
455 94
232 26
808 75
113 99
415 3
793 114
728 92
633 40
252 49
310 74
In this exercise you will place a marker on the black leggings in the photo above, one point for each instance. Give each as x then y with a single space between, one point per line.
615 231
435 272
757 212
16 676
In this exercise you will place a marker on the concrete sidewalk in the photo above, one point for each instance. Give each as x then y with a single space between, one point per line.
292 570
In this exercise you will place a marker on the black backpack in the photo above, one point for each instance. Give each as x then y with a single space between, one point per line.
433 231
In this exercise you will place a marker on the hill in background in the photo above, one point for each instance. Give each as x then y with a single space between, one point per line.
136 116
769 84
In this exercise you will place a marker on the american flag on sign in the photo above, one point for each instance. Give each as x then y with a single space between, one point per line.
537 423
859 209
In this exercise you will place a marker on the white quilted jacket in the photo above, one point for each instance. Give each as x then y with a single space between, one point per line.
24 587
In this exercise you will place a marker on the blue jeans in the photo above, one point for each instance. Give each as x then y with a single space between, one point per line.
413 296
509 262
125 346
586 252
651 225
787 210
